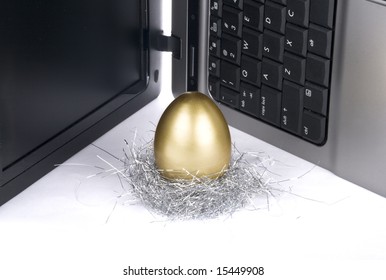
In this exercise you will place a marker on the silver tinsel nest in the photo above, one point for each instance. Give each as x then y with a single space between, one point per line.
198 198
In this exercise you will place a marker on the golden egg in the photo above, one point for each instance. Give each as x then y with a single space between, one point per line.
192 139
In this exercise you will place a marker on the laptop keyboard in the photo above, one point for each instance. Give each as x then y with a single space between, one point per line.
272 61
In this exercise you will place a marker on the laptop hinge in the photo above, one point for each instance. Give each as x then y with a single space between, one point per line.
169 44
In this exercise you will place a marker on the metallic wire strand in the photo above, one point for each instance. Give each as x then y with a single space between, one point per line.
198 198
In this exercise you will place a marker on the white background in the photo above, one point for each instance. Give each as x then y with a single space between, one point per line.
66 226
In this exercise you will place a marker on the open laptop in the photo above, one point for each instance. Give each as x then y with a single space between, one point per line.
308 76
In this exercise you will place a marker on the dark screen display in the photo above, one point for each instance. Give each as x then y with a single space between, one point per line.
59 62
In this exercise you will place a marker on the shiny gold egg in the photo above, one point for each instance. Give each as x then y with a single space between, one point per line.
192 139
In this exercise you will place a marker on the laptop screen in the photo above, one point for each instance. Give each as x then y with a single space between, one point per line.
60 61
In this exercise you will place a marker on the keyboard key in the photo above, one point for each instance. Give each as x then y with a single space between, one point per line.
253 15
273 45
250 70
252 43
275 17
231 48
319 40
272 73
232 21
296 39
298 12
229 97
315 98
235 3
284 2
214 66
216 8
270 105
214 46
214 87
292 107
314 127
318 70
230 75
322 12
249 99
215 26
294 68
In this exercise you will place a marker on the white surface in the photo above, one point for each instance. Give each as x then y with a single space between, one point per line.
325 228
58 225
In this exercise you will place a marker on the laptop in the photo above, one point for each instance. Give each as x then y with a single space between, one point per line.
70 70
307 76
